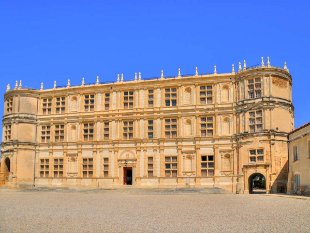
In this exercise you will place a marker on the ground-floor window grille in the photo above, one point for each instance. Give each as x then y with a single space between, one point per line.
171 166
207 165
44 167
58 167
150 167
105 167
87 167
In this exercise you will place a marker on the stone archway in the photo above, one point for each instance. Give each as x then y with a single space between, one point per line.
257 183
7 165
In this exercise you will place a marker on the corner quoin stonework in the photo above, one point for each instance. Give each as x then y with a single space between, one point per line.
213 130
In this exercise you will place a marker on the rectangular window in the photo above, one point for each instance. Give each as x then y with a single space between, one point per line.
89 103
59 133
150 167
88 131
256 156
128 99
295 151
106 130
206 94
87 167
60 105
254 88
170 128
256 121
207 165
171 96
150 98
128 129
107 101
58 168
206 126
45 133
44 167
47 106
9 105
150 129
7 133
171 166
106 167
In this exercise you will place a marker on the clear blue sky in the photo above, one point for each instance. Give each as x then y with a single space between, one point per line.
42 41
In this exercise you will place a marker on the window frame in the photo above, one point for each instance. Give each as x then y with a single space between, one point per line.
128 99
60 103
171 128
255 156
207 170
171 171
206 94
89 102
88 131
255 121
254 86
58 167
47 105
45 133
44 168
59 133
128 130
207 126
88 168
171 96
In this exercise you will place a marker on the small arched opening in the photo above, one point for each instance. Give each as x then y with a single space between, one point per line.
257 183
7 164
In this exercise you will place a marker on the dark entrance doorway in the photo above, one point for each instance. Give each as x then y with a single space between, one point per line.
257 183
7 163
128 175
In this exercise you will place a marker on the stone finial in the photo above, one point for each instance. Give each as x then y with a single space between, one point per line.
139 76
244 65
136 77
215 72
122 78
162 74
8 87
83 81
16 84
196 71
69 83
42 86
268 62
233 68
179 73
117 78
55 84
97 80
285 67
20 84
239 67
263 63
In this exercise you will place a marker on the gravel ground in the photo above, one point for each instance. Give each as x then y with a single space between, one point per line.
135 210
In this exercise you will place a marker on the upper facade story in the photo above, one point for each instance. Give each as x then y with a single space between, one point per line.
248 99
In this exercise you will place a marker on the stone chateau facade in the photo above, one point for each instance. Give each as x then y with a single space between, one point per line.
203 130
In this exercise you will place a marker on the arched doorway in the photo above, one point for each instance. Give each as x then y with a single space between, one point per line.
7 164
257 183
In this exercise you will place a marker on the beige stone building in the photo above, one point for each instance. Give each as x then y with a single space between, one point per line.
299 161
224 130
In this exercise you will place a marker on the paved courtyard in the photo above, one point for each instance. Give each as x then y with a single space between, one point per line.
132 210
